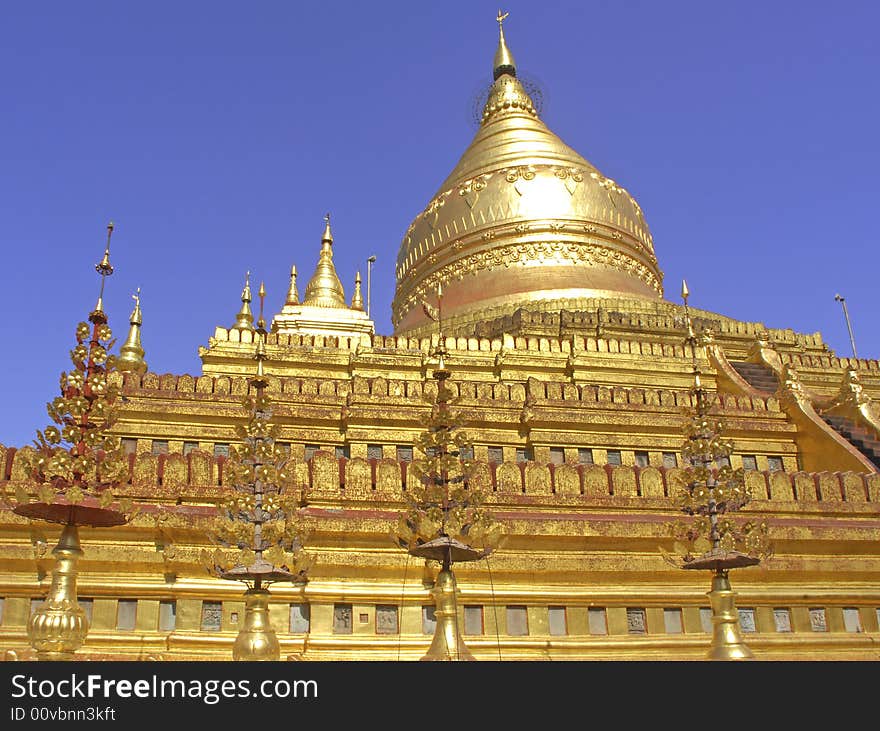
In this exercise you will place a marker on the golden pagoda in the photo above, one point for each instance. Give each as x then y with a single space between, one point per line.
574 376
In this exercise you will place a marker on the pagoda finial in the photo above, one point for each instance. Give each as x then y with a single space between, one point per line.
503 63
693 342
292 292
244 320
357 299
324 288
131 354
105 269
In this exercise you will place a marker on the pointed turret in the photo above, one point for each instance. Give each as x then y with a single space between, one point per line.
357 299
292 292
131 354
324 288
244 320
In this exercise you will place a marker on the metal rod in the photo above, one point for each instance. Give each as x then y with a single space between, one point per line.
370 263
852 340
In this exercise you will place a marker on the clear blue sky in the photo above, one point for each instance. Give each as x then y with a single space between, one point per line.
216 135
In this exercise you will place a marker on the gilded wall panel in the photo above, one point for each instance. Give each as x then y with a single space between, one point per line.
853 487
676 480
201 468
301 476
623 481
805 486
389 477
780 486
358 477
411 480
481 477
829 486
651 482
146 470
508 478
537 479
19 468
596 481
567 479
325 472
174 472
873 485
756 482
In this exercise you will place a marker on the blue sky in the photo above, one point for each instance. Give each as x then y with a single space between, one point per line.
216 135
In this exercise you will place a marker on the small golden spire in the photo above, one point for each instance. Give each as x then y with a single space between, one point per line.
357 299
292 292
131 354
105 269
324 288
261 322
244 320
503 63
685 292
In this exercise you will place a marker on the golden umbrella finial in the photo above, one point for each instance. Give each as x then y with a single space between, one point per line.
105 269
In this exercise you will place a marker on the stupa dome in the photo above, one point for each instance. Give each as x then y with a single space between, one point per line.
522 221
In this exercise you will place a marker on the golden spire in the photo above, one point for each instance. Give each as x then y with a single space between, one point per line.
324 288
357 299
292 292
244 320
131 354
105 269
503 63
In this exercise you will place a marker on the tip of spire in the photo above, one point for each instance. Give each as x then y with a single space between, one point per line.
685 292
246 292
136 316
503 62
328 236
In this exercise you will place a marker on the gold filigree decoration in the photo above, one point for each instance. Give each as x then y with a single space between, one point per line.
520 172
76 460
507 256
712 490
474 185
259 532
445 504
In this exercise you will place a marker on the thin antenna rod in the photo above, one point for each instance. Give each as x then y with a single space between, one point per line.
852 340
370 261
